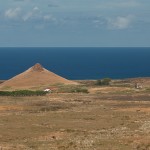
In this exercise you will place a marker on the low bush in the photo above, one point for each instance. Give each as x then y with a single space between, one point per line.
72 89
105 81
22 93
79 90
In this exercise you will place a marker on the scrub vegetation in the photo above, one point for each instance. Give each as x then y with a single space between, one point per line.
23 93
107 117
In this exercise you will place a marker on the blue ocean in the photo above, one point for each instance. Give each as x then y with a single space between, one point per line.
78 63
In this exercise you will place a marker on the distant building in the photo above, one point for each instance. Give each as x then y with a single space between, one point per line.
47 90
138 86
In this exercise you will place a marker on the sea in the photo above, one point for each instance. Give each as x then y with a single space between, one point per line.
76 63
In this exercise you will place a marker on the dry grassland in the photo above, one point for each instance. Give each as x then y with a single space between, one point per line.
104 119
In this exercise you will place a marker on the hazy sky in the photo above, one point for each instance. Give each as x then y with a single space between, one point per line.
100 23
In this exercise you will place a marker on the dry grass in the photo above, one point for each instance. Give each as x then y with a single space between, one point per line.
73 121
104 120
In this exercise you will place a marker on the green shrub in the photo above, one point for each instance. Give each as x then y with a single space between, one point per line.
79 90
22 93
5 93
72 89
105 81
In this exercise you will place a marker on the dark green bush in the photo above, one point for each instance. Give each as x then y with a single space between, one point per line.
72 89
22 93
79 90
5 93
105 81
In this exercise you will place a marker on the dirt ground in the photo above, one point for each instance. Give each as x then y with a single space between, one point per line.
107 118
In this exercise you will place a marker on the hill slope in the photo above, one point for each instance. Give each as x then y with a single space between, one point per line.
34 77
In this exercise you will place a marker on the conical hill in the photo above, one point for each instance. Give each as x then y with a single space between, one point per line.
34 77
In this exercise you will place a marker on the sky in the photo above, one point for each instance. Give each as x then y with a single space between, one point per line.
74 23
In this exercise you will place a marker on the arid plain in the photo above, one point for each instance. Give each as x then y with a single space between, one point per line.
114 117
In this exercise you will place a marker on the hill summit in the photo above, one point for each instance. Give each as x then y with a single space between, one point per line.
38 67
35 77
